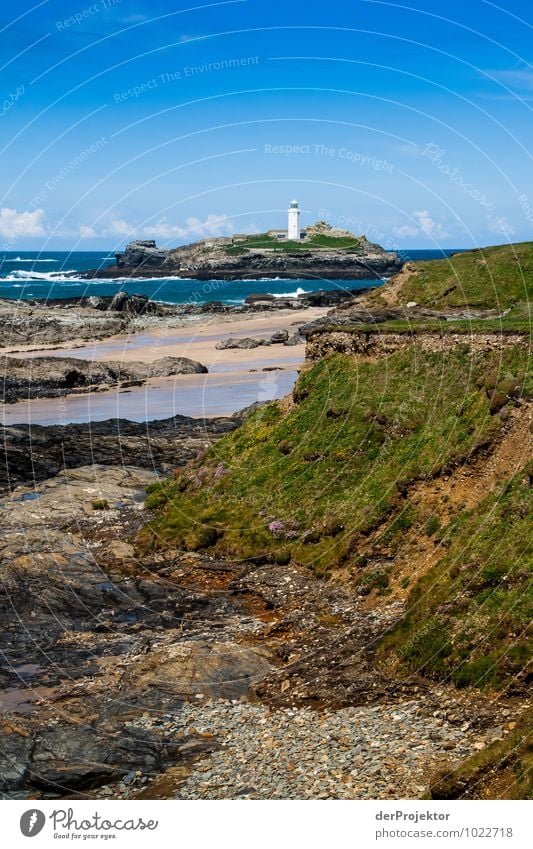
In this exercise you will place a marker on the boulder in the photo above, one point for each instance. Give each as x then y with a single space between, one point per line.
168 366
258 297
295 339
132 304
118 303
280 337
218 670
244 342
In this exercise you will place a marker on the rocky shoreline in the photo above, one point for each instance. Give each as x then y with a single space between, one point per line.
55 322
33 453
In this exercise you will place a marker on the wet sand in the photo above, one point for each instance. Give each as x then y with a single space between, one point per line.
236 379
195 338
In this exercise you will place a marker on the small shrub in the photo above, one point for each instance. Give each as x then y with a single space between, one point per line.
300 393
100 504
334 413
282 556
497 401
332 527
478 673
432 526
312 536
427 650
201 536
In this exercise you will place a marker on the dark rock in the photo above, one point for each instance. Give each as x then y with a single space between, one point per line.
280 337
49 377
245 342
119 302
295 339
97 303
132 304
259 297
32 453
142 254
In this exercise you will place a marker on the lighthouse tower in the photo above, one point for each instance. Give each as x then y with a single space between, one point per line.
293 230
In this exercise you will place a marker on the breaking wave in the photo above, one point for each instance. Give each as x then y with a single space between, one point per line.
53 276
299 291
21 259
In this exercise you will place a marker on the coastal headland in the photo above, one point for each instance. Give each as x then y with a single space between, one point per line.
325 596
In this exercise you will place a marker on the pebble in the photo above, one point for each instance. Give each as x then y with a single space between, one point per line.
352 753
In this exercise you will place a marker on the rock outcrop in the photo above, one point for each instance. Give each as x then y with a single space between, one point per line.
49 377
60 320
32 453
142 253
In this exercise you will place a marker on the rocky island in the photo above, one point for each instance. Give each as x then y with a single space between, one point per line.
323 252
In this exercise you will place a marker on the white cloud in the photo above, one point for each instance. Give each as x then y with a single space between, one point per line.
86 232
193 228
213 225
518 78
428 225
119 227
409 149
424 225
134 19
500 226
14 224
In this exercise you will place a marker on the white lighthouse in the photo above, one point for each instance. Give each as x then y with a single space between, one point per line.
293 230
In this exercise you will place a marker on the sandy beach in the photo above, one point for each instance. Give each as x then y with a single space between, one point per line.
236 378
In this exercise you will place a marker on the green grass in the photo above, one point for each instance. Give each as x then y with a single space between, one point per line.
335 465
469 619
317 242
494 277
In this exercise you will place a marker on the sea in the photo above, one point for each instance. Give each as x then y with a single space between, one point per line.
28 275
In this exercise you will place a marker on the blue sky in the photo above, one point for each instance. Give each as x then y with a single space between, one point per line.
177 120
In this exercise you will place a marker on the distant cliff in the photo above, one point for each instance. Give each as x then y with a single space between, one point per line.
325 254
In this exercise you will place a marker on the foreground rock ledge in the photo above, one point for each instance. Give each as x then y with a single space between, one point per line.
48 377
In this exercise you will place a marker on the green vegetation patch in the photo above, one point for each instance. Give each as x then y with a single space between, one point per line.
469 618
309 482
495 277
317 242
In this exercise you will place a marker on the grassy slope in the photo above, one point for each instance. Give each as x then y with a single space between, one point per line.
469 618
334 465
516 320
489 278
